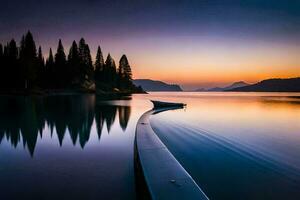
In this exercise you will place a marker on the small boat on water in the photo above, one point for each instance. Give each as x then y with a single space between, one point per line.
162 104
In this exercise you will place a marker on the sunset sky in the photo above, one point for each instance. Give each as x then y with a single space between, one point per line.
196 43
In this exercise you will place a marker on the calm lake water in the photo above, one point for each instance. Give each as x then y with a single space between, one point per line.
235 145
67 147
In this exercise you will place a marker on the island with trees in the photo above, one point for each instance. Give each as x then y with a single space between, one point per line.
24 70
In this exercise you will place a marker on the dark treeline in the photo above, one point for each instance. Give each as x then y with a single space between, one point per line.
23 67
23 119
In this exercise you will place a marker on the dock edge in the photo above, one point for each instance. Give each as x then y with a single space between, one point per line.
160 175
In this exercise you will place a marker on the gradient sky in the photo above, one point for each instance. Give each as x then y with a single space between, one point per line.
198 43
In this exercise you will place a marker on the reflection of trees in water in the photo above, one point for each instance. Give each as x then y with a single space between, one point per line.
108 114
105 114
75 113
25 118
124 115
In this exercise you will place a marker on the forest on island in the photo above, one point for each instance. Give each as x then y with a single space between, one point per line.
24 68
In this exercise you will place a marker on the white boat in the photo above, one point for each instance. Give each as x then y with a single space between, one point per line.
161 104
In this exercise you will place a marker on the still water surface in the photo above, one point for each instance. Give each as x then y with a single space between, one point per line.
235 145
67 147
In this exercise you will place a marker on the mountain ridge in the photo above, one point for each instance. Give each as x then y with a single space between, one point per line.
156 85
272 85
220 89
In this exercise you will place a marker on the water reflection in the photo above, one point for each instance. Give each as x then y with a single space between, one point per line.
236 145
23 119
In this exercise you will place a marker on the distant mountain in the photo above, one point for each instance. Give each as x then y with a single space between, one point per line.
220 89
200 90
153 85
215 89
236 85
272 85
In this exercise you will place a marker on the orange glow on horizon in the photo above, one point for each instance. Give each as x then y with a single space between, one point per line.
215 79
196 62
218 65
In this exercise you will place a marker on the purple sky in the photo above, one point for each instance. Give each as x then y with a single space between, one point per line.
196 40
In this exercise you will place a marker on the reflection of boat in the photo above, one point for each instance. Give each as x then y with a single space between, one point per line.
161 104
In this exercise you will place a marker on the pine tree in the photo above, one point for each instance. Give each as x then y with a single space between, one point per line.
60 56
124 73
73 65
12 65
49 71
28 60
126 69
4 67
99 65
81 49
13 49
41 67
110 72
22 47
89 64
50 60
60 66
41 57
73 53
86 64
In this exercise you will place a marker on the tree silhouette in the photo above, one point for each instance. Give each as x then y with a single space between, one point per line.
4 68
23 69
124 73
41 59
85 59
11 64
28 60
12 50
49 71
110 71
41 67
74 65
99 66
60 71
